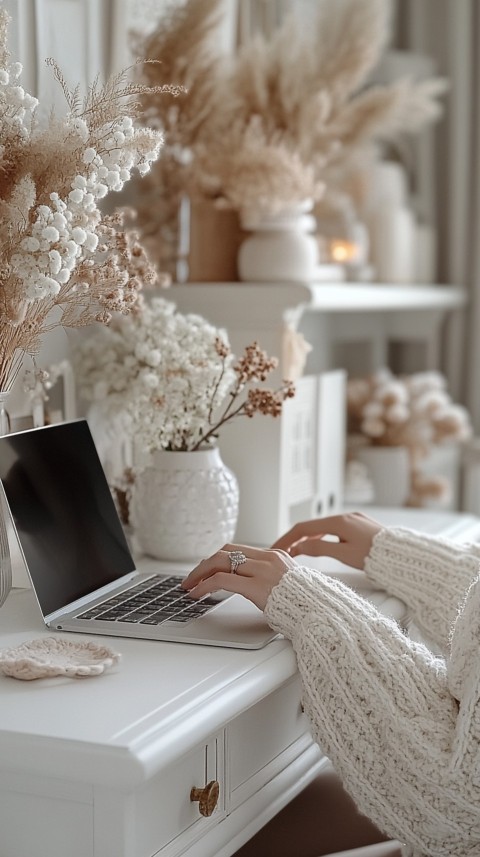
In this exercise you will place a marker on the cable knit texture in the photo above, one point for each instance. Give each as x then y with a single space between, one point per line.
401 726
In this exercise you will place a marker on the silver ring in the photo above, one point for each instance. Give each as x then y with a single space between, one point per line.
236 558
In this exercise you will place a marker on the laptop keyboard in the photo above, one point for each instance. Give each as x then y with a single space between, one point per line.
153 601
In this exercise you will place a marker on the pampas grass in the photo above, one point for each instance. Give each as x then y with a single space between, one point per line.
181 54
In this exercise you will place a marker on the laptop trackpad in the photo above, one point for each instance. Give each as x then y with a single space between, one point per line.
235 620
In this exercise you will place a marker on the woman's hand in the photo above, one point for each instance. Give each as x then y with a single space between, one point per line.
254 577
354 533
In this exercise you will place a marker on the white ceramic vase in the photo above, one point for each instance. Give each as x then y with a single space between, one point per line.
388 468
184 505
280 247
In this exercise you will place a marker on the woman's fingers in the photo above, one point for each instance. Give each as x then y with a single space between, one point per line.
354 531
255 589
251 572
342 551
317 527
222 580
219 562
318 546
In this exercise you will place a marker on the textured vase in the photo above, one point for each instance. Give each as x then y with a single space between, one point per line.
388 468
5 560
184 505
281 247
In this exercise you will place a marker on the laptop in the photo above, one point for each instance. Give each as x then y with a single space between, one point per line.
78 559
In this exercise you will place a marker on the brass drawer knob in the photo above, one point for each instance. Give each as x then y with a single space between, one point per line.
207 797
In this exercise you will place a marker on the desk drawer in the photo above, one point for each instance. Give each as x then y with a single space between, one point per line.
44 816
258 738
163 810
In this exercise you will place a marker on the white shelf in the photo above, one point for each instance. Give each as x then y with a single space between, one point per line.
323 297
378 297
327 314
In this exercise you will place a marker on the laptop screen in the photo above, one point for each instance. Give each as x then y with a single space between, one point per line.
63 511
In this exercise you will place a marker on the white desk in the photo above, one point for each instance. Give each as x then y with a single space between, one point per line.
103 767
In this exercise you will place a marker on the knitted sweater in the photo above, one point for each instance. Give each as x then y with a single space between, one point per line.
400 725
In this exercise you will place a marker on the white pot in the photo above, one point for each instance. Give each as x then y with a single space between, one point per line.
184 505
443 460
389 470
280 247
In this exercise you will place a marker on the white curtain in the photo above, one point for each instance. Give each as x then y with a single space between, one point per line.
449 31
85 37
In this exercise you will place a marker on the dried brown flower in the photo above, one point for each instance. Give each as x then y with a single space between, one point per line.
253 367
268 402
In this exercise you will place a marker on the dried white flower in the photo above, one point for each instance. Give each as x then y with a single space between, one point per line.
50 224
163 376
413 411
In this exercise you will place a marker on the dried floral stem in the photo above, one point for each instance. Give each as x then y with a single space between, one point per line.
271 399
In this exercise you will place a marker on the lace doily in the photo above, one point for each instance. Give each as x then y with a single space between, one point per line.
53 656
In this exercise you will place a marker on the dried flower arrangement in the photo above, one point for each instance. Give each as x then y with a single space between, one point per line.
62 261
187 29
170 381
414 411
273 124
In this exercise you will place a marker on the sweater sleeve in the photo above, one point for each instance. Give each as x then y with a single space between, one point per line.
429 574
380 708
464 683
